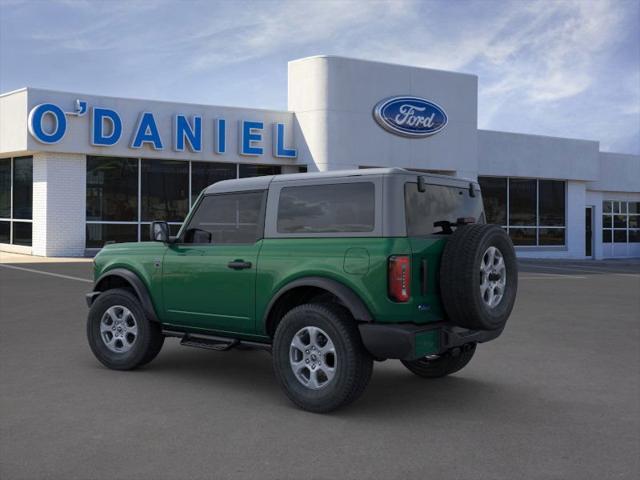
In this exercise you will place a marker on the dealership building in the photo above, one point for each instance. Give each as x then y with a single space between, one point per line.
79 170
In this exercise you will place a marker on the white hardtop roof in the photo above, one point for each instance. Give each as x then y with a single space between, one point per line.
262 183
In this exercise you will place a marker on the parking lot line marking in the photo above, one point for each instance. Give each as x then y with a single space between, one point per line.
51 274
571 268
550 276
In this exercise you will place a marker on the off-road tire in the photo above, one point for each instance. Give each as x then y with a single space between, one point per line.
460 277
446 364
353 363
148 341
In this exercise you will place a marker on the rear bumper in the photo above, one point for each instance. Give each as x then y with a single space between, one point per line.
407 341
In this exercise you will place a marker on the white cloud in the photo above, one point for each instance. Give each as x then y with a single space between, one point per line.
541 64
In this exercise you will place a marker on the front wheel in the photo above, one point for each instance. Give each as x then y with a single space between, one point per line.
443 365
319 359
119 333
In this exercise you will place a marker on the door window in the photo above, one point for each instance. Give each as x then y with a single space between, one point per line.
234 218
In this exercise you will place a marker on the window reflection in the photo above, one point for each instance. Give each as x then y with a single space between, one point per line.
247 170
327 208
165 187
112 189
5 188
531 206
494 196
204 174
522 201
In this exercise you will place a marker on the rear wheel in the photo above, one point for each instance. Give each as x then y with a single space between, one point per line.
443 365
119 333
319 359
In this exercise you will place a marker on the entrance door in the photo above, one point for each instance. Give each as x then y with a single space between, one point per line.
209 275
588 233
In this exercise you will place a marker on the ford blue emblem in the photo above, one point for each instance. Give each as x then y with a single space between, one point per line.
410 116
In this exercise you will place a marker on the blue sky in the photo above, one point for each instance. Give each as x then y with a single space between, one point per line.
564 68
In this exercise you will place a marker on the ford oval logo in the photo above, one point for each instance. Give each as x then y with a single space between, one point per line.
410 116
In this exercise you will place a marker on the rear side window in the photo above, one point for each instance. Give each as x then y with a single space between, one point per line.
227 218
437 209
344 207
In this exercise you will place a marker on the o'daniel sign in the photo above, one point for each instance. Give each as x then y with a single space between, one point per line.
411 117
48 123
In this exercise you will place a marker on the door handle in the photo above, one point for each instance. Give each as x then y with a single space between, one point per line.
238 265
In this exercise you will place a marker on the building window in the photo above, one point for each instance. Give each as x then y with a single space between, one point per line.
620 221
204 174
248 170
494 194
112 189
16 200
165 190
532 211
124 195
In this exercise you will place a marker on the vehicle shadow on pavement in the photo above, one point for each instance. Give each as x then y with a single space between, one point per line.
392 391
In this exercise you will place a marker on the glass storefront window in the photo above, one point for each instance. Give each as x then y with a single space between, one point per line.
22 233
5 188
522 201
118 210
619 236
164 190
22 187
16 200
551 236
5 231
532 211
523 236
494 196
112 189
204 174
100 233
620 221
551 203
247 170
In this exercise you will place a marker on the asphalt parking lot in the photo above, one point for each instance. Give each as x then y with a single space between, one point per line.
556 396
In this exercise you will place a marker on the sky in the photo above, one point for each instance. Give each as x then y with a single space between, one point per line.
568 68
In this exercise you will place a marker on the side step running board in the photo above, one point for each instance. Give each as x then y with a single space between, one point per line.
196 341
212 342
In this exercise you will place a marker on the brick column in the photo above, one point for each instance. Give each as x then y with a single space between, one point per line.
59 204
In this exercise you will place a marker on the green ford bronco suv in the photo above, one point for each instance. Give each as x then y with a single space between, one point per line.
328 271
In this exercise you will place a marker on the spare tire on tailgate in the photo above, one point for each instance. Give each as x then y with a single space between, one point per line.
479 277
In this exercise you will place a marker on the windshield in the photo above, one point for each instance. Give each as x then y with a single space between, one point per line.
439 208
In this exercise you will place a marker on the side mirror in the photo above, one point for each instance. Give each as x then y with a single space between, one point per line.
160 232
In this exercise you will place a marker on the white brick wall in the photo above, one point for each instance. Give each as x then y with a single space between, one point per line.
59 204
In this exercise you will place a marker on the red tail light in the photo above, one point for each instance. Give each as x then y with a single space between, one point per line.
399 278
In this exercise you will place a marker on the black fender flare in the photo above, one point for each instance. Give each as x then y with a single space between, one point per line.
134 281
345 294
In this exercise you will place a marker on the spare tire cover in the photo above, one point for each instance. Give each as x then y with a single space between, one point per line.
479 277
